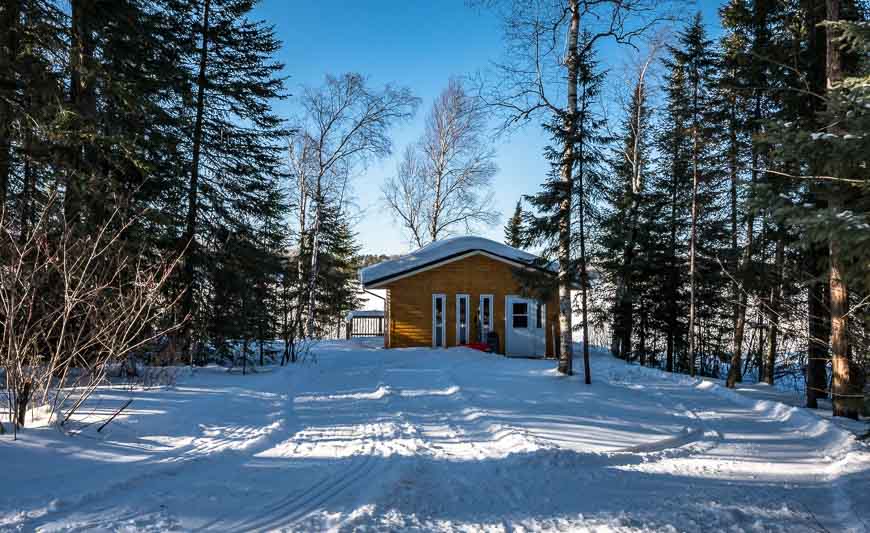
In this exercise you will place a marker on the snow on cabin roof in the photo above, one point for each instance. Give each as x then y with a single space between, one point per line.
365 313
438 251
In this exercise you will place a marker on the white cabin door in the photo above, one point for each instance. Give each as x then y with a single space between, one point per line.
463 313
525 328
484 318
439 321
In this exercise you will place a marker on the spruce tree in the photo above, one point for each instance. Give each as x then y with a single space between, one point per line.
696 57
588 143
236 148
829 152
513 230
629 164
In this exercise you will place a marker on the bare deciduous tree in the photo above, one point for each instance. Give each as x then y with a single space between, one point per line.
345 125
71 305
444 181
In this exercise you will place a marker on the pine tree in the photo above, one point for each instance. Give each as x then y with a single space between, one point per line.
621 227
237 139
513 230
588 142
672 183
696 57
830 153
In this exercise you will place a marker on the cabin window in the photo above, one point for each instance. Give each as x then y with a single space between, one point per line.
539 316
520 314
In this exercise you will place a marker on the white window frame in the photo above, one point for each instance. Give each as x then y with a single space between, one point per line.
528 314
486 327
443 320
467 298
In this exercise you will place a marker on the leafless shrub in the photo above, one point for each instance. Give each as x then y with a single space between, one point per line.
71 304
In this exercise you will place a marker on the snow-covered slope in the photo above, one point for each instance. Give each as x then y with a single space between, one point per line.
445 440
440 250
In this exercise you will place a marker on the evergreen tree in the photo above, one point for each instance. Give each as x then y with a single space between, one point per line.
830 153
696 57
629 165
336 286
236 147
587 145
672 183
513 230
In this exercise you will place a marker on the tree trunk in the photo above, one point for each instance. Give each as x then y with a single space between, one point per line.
692 251
819 332
310 322
840 388
83 98
22 399
642 335
625 314
566 171
300 263
842 378
818 317
188 240
775 308
735 375
673 280
583 273
733 172
9 22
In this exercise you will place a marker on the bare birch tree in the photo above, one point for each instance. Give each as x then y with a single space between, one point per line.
345 125
444 181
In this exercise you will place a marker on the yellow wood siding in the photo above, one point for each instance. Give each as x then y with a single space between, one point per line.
409 301
387 320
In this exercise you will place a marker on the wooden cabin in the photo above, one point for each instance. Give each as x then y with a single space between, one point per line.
455 291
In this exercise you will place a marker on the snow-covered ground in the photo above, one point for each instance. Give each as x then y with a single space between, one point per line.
450 440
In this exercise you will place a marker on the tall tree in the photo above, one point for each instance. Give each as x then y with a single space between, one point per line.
629 166
346 124
513 230
695 55
237 139
444 181
540 79
753 79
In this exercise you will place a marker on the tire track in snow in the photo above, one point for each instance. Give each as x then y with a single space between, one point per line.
314 498
330 491
214 442
308 500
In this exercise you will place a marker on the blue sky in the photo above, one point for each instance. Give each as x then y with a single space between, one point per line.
418 44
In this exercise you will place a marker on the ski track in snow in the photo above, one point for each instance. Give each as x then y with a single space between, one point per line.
434 440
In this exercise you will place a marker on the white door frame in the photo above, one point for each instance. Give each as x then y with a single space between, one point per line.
486 328
443 297
543 308
509 315
467 298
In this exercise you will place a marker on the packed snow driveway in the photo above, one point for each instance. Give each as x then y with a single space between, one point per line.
386 440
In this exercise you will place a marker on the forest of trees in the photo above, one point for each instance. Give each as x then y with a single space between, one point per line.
724 207
153 202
